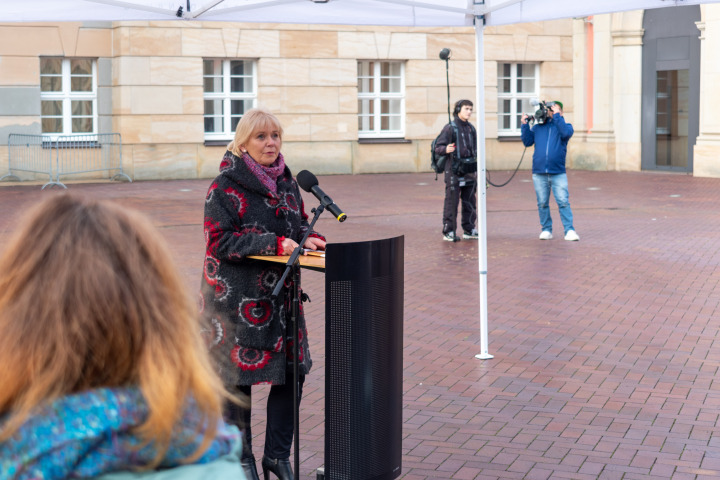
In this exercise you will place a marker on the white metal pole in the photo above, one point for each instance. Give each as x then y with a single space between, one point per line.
481 187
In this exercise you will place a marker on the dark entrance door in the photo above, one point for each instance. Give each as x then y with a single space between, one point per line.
670 88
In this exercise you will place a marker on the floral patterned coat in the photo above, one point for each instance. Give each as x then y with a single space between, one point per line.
249 335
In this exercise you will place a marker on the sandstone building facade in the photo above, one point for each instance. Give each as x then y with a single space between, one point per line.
639 88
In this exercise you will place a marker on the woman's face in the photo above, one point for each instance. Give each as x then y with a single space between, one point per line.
263 145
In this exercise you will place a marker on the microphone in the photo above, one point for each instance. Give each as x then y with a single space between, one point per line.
535 102
309 183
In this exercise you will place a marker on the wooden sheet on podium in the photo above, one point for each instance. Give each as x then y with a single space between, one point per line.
311 262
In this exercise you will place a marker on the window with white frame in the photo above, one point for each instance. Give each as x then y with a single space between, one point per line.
230 90
381 99
68 96
517 85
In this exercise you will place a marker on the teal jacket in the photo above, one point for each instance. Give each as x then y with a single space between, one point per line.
224 467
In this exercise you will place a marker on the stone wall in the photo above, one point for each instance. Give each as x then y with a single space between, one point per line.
150 86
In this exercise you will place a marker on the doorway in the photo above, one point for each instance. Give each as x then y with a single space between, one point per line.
670 88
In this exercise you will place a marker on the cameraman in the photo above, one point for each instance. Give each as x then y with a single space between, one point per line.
550 137
460 143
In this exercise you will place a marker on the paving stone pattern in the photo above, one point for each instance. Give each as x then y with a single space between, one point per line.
606 351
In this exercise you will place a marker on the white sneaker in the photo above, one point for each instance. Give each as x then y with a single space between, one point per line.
545 235
571 236
471 235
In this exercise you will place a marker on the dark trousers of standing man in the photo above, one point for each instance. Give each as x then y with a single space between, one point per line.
280 425
459 191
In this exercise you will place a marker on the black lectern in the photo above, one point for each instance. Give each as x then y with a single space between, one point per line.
364 294
364 352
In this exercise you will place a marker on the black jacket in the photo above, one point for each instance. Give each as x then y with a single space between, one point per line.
246 326
465 145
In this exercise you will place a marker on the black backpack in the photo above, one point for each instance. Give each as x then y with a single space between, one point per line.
437 160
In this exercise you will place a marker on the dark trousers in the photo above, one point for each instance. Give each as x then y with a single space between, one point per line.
280 421
454 193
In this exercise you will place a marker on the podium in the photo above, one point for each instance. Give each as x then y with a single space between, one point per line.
364 295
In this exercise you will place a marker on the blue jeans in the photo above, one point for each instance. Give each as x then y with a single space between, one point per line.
558 183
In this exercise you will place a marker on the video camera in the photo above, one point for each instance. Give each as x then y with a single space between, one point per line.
541 114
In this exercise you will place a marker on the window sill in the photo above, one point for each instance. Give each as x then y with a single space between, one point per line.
48 144
509 138
217 143
372 141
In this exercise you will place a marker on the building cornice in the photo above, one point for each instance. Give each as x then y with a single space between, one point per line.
627 38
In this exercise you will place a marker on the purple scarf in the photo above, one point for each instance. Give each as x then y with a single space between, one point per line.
268 176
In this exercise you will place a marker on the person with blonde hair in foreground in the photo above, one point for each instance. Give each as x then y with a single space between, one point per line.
105 373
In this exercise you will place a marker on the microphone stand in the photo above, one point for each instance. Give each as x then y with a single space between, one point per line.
447 81
294 264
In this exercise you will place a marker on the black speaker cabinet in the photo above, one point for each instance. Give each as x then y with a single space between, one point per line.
364 355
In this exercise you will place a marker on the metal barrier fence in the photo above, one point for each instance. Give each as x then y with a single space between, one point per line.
29 153
73 154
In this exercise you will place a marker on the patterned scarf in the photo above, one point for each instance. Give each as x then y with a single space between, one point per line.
92 433
267 175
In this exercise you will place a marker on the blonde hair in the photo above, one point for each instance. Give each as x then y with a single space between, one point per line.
251 121
89 298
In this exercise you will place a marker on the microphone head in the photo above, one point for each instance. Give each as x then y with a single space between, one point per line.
534 102
306 180
445 53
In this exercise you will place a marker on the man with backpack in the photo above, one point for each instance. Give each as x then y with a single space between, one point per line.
458 141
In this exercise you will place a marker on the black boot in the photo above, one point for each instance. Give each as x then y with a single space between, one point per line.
249 467
279 466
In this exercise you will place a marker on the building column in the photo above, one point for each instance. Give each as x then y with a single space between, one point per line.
706 153
627 41
582 69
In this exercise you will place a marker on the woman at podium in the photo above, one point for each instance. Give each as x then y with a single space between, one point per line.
254 207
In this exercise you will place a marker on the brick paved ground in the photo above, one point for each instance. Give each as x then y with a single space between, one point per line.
606 350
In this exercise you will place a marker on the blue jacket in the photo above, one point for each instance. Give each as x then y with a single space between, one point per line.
550 139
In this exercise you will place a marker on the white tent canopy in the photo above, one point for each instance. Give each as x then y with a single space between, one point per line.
355 12
449 13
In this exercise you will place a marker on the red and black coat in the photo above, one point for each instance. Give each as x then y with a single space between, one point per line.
249 335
